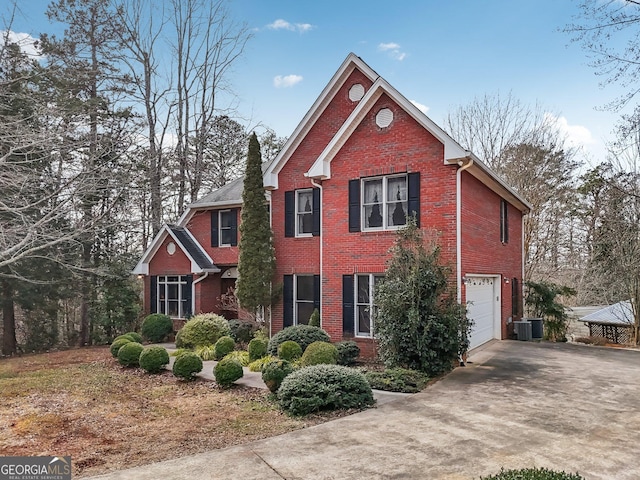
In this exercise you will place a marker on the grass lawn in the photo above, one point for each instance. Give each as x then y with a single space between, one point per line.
82 403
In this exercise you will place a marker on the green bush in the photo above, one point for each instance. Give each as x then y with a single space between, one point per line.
206 352
348 352
274 372
397 380
242 330
129 354
227 371
117 343
289 350
176 353
135 336
128 336
224 346
187 365
257 349
533 474
258 365
303 335
324 387
319 353
241 356
314 320
203 329
154 359
156 327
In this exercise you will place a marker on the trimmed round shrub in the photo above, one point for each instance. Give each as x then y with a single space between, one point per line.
203 329
533 474
117 343
397 380
257 349
289 350
274 372
258 365
126 336
319 353
135 336
241 356
227 371
324 387
303 335
348 352
129 354
187 365
156 327
154 359
242 330
224 346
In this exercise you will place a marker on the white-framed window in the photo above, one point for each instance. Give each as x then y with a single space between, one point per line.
303 299
172 298
364 303
384 202
504 221
304 213
225 227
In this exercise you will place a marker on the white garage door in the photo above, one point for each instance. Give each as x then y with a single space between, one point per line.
481 306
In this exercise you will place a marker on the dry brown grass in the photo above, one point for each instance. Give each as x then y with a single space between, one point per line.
82 403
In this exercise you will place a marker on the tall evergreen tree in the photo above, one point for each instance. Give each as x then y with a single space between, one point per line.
256 264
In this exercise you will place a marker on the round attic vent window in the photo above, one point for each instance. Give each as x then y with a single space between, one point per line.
356 92
171 248
384 118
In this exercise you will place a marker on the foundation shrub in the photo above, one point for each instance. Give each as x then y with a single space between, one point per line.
227 371
129 354
154 359
303 335
348 352
274 372
324 387
257 349
156 327
397 380
187 365
203 329
242 330
319 353
289 350
117 343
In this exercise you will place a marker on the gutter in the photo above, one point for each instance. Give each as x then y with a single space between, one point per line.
462 166
319 185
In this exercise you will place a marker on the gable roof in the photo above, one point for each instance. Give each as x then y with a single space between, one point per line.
617 314
200 260
229 194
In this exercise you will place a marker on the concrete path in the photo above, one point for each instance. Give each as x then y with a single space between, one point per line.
561 406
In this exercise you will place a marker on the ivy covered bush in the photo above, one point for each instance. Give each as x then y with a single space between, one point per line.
187 365
289 350
348 352
257 349
227 371
224 346
117 343
203 329
324 387
129 354
274 372
533 474
154 359
397 380
319 353
303 335
156 327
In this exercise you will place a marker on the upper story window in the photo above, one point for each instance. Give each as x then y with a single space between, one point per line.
304 213
504 221
384 202
224 228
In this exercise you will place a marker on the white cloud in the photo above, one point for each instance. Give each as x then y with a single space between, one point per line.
281 24
423 108
287 81
26 42
393 49
577 135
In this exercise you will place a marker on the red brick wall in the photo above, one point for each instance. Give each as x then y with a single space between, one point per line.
207 295
482 250
200 227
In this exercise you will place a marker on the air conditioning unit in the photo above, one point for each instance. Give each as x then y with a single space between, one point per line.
522 330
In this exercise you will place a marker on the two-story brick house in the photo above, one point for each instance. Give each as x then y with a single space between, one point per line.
361 160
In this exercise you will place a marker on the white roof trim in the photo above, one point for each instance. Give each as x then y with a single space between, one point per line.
270 177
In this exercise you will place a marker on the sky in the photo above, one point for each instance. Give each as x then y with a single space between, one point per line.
439 54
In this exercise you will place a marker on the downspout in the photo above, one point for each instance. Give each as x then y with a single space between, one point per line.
319 185
463 166
193 291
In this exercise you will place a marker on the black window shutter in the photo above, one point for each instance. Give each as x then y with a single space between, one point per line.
234 227
290 213
316 292
287 301
413 188
347 305
153 297
316 212
214 228
186 295
354 205
515 296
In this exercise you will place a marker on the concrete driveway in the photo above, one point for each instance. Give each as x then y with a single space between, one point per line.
561 406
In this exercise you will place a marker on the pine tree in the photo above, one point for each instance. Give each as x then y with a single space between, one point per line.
256 264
